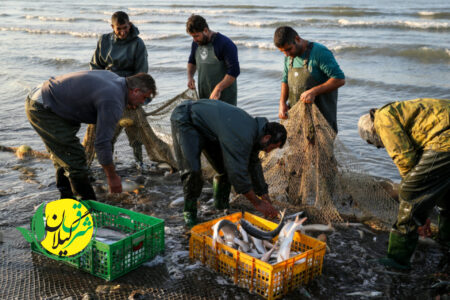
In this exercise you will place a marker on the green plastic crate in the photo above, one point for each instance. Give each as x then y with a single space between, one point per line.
110 261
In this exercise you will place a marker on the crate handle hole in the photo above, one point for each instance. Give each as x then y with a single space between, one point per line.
125 216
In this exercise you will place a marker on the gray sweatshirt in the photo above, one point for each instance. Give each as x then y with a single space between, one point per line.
92 97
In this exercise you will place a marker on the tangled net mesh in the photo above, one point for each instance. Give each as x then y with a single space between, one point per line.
315 172
156 138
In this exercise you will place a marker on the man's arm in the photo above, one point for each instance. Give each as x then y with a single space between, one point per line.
96 62
141 58
262 204
282 111
114 181
227 51
191 68
330 85
226 82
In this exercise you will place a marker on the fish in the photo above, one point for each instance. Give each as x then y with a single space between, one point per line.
258 244
317 227
267 255
242 245
243 234
177 202
262 234
129 186
228 228
109 236
287 237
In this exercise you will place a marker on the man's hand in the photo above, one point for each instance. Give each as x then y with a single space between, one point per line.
282 111
191 83
115 184
215 93
425 230
266 208
308 96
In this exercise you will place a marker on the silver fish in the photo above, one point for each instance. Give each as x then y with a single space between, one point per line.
317 227
258 245
285 246
243 234
228 228
267 255
262 234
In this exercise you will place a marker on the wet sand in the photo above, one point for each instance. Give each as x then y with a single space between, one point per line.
346 274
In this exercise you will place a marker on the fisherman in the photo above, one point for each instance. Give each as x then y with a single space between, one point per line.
416 135
56 108
216 58
311 74
231 140
124 53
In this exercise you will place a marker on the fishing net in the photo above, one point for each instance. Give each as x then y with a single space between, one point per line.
149 127
315 171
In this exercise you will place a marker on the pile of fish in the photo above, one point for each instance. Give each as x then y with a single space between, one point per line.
246 238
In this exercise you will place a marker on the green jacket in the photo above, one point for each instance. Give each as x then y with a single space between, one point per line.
407 128
124 57
238 135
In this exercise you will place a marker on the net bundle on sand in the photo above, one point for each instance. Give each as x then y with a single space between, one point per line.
316 173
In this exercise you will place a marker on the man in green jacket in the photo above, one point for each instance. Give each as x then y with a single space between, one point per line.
416 135
231 140
124 53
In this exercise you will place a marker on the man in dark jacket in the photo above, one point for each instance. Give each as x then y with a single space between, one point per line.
231 140
124 53
56 109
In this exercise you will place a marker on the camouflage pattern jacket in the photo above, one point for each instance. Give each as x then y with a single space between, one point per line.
407 128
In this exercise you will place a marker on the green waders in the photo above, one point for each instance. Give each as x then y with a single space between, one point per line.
211 71
300 80
425 186
69 158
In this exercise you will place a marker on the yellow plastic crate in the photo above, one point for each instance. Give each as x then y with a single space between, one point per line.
269 281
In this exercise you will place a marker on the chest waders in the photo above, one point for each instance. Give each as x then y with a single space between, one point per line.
211 71
300 80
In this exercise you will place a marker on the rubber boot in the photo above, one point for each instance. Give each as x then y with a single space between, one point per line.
444 230
63 184
401 248
221 192
82 187
192 188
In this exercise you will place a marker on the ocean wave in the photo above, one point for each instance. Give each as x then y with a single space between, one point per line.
230 6
339 11
406 25
55 32
179 11
61 19
419 53
157 22
152 37
255 44
420 91
55 61
434 15
271 24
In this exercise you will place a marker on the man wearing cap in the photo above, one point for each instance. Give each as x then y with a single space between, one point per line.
124 53
56 109
231 140
416 135
311 75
